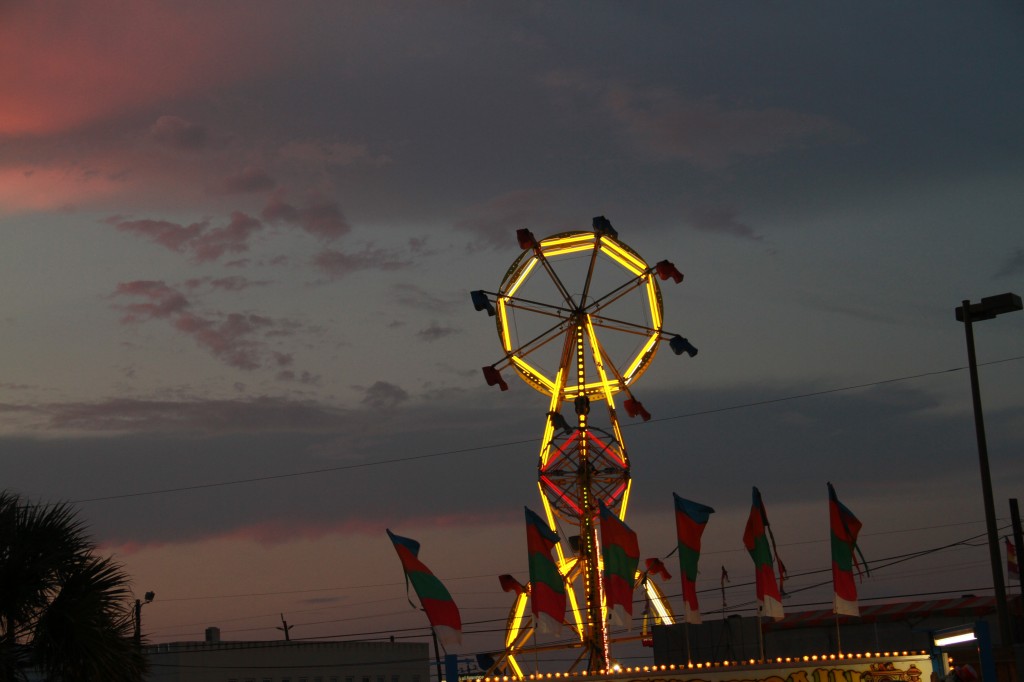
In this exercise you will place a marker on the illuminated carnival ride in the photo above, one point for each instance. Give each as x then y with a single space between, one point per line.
579 316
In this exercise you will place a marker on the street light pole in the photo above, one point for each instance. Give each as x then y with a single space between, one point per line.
969 313
138 617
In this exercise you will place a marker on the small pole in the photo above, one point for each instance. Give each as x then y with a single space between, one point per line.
760 634
287 628
686 633
138 623
1018 535
839 639
437 654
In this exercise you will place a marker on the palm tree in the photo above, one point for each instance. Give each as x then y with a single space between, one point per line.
63 610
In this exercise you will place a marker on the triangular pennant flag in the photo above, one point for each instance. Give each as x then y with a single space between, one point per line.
755 539
621 553
547 586
844 528
691 518
441 610
656 566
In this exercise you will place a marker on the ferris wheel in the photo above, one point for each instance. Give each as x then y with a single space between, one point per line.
579 317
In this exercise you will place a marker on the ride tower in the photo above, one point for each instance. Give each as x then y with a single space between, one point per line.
579 317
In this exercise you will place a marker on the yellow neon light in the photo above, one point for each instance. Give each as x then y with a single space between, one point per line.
529 369
549 428
576 238
628 375
545 450
567 249
595 349
599 386
551 521
515 667
623 258
652 299
625 498
618 435
516 621
506 338
577 616
658 600
523 274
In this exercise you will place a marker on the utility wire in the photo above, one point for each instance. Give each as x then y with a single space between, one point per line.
879 566
492 446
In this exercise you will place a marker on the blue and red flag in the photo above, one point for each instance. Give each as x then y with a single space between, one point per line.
691 518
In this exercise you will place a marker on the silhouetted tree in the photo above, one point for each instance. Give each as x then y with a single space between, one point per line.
63 611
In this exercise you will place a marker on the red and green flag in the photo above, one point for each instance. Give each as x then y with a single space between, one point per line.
547 587
441 610
1012 567
691 518
621 553
755 539
844 530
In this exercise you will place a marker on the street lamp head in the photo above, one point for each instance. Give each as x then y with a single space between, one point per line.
990 307
150 596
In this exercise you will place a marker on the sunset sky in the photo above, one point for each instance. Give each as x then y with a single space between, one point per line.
238 240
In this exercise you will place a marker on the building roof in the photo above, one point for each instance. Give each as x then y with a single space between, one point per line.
965 606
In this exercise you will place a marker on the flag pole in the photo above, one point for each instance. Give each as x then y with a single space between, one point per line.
760 634
437 653
686 632
839 639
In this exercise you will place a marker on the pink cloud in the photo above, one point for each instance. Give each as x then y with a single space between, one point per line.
162 300
325 153
178 133
321 218
228 339
706 131
495 221
198 239
170 235
64 69
233 283
249 180
64 186
336 264
236 339
710 134
256 415
234 238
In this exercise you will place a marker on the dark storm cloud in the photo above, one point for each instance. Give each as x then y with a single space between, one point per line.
887 442
338 264
1013 265
721 219
178 133
414 296
249 180
435 332
494 222
383 395
195 417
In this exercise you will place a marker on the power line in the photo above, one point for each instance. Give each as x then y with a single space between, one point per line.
492 446
880 565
